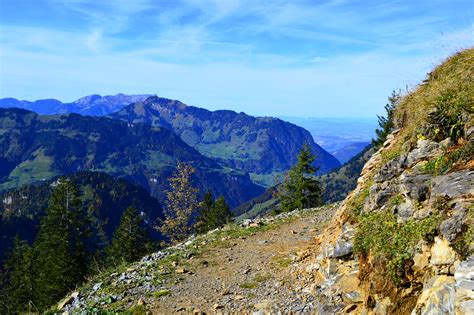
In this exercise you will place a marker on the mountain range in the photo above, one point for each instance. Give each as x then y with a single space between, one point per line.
35 147
93 105
262 146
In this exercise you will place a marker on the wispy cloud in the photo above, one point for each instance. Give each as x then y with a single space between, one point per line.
264 57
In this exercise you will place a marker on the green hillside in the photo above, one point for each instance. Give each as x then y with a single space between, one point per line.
35 148
262 146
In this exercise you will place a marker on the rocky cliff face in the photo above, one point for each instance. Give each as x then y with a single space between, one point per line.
402 241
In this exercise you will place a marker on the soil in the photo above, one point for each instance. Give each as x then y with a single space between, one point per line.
249 273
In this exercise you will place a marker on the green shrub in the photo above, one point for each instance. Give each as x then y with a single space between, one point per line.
391 243
442 164
358 201
437 166
395 200
448 118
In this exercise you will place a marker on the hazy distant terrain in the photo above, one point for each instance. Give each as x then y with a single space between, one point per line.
342 137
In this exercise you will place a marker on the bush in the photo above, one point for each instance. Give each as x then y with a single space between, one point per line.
449 117
391 243
442 164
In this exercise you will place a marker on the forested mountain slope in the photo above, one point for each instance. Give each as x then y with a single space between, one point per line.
261 146
22 209
35 147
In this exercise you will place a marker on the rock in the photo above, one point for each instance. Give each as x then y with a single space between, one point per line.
442 253
469 132
452 226
225 292
263 305
454 185
422 257
382 305
67 300
246 222
353 296
464 297
404 211
437 296
425 149
344 244
217 306
96 286
415 186
297 309
391 169
342 248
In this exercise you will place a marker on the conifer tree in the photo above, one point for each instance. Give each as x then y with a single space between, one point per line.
18 290
386 124
131 240
213 214
181 204
61 246
300 189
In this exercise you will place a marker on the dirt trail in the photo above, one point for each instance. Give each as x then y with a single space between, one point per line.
249 274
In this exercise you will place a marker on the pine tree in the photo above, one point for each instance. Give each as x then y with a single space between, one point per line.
18 290
300 189
131 240
213 214
181 204
386 124
61 246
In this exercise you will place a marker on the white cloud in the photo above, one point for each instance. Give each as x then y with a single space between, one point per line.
202 63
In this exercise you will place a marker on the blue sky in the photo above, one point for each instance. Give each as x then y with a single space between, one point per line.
280 58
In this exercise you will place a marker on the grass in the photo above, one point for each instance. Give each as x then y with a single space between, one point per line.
36 169
395 200
158 294
442 164
249 285
261 278
282 262
452 83
392 244
463 244
267 180
357 202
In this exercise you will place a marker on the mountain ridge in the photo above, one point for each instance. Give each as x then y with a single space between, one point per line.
259 145
93 105
33 147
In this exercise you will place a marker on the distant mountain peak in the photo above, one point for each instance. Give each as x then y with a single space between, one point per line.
92 105
87 99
